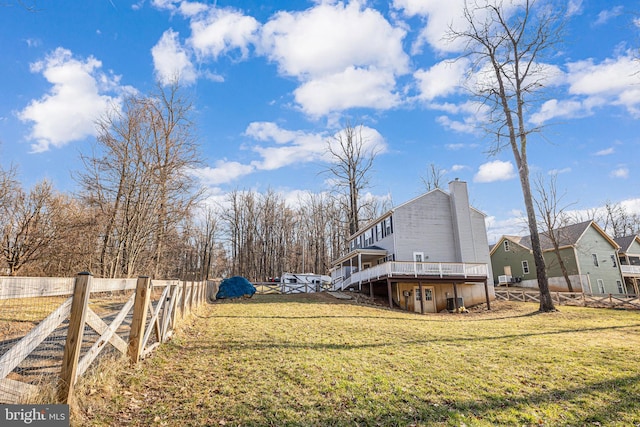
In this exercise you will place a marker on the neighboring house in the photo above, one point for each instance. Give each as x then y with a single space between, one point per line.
422 254
590 257
629 257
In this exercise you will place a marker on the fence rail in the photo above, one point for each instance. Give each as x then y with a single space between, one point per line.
573 298
138 315
289 288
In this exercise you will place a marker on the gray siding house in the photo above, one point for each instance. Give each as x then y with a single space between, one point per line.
425 255
589 255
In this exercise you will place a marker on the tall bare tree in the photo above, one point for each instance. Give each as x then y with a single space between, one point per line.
175 153
352 159
138 180
506 43
553 217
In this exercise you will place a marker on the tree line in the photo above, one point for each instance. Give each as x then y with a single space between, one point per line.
139 209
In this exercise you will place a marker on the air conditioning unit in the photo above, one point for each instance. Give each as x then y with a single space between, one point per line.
504 280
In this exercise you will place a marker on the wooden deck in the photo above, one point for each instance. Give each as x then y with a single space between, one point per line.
423 270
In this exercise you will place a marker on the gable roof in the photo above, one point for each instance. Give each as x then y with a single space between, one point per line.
626 242
388 213
567 236
513 239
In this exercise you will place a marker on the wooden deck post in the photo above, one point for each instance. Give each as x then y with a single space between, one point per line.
389 293
81 291
371 289
421 298
486 294
455 297
140 307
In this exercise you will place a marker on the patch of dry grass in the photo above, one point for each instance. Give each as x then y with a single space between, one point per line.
310 360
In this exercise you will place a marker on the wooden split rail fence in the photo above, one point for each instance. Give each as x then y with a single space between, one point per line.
142 321
289 288
572 298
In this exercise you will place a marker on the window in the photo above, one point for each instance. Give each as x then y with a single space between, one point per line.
506 246
387 227
613 261
418 256
601 286
620 288
595 259
525 267
368 238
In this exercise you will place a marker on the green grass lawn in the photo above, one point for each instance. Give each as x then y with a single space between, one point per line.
312 360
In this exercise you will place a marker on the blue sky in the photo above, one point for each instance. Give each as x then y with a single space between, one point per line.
272 82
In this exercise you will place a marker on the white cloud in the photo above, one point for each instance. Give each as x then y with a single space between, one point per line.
496 170
348 89
605 152
224 172
444 78
467 125
559 109
80 94
344 56
280 148
514 225
574 7
439 16
292 147
614 80
621 172
171 60
220 31
606 15
457 168
559 171
329 38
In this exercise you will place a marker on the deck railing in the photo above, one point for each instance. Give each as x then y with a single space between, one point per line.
631 270
415 269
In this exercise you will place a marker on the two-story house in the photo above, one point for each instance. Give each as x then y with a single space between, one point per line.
589 256
425 255
629 257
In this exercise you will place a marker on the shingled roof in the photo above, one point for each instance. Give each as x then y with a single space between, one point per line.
625 242
567 236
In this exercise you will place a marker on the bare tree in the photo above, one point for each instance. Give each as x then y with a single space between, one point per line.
27 226
8 183
617 221
175 153
434 178
352 161
139 183
505 43
553 218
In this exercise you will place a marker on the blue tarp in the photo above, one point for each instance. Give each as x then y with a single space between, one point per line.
235 287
